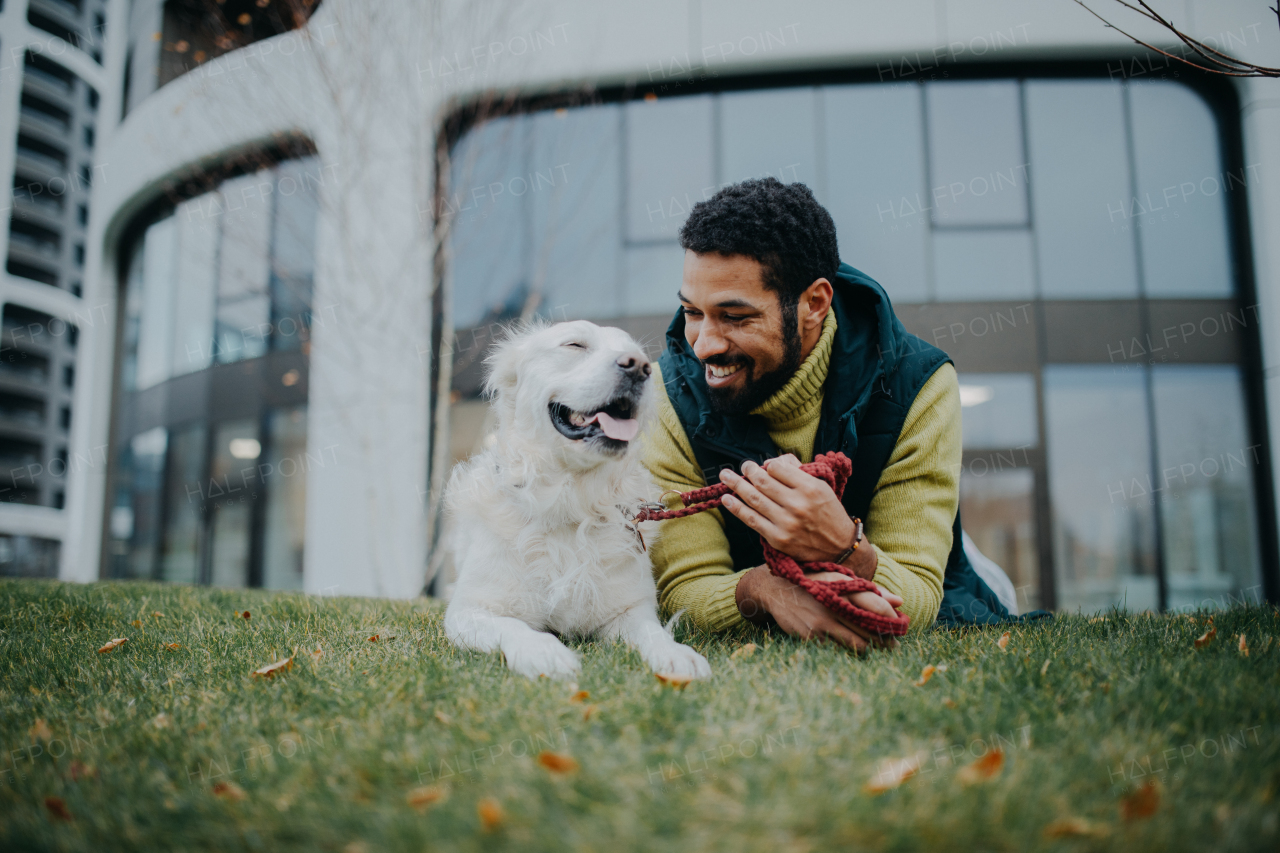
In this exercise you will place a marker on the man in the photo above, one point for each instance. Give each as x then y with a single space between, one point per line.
780 352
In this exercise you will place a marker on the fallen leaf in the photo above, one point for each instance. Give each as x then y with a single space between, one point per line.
950 703
926 674
744 651
983 769
374 638
491 814
891 775
1072 827
1045 668
588 711
855 698
157 614
57 807
40 729
557 762
1003 642
580 696
1244 646
427 795
679 682
79 771
272 668
443 717
229 791
244 614
137 623
317 654
113 644
173 647
161 720
1142 803
1206 638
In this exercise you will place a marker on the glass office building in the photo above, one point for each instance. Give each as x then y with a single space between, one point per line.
209 439
1070 240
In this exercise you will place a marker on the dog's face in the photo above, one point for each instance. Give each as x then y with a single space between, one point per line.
576 386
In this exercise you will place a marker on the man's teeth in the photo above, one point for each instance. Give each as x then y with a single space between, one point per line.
720 372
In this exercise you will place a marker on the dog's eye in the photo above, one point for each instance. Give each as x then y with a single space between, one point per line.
575 344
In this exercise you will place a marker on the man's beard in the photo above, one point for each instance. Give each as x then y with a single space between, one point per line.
741 401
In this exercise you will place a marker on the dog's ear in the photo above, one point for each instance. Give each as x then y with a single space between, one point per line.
503 363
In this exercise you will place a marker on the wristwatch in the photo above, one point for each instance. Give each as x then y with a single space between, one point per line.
857 540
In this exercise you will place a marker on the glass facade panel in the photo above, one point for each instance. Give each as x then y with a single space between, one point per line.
1180 207
669 164
998 411
767 133
293 253
997 511
185 491
983 264
155 332
653 277
881 211
1207 465
194 284
232 488
1080 179
286 480
1098 440
135 515
244 270
977 166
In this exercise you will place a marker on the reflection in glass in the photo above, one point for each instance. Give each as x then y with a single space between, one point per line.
1207 465
489 283
293 252
998 411
876 184
997 507
977 167
769 132
1097 433
185 493
155 303
1181 203
244 297
286 483
669 165
983 264
233 486
135 517
1081 189
194 284
577 239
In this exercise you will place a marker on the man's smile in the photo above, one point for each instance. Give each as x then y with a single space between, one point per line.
719 376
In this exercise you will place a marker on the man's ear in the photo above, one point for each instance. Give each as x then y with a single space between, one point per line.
815 302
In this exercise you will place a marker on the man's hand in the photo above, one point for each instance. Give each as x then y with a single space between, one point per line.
801 615
796 513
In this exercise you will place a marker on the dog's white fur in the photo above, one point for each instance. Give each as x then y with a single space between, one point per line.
540 542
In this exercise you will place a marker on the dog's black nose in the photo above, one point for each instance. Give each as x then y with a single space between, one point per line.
635 365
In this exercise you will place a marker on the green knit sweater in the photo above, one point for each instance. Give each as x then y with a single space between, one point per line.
908 522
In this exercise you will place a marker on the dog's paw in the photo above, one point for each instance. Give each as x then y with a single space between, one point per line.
544 655
679 660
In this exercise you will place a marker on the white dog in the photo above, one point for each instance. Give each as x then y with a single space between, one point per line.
542 541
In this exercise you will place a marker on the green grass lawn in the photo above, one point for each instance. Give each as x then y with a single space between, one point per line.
401 743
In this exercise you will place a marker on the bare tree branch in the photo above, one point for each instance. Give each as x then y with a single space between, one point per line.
1215 61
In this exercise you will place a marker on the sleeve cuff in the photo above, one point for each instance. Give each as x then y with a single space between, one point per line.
710 602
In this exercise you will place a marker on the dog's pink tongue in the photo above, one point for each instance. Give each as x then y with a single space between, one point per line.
618 430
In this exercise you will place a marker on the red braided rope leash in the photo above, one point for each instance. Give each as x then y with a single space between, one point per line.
835 469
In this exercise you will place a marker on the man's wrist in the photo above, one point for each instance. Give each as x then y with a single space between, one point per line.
749 596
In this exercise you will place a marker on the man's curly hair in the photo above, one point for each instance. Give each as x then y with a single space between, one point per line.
780 225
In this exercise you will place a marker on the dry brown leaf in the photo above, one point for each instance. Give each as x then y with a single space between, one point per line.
443 717
113 644
679 682
557 762
580 696
40 729
1206 638
137 623
745 651
950 703
1073 827
243 614
272 668
1244 646
588 711
374 638
926 674
1003 642
157 614
80 771
427 795
57 807
491 814
1142 803
983 769
173 647
229 791
317 654
891 776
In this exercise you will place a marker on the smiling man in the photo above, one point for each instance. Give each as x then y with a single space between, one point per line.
781 352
